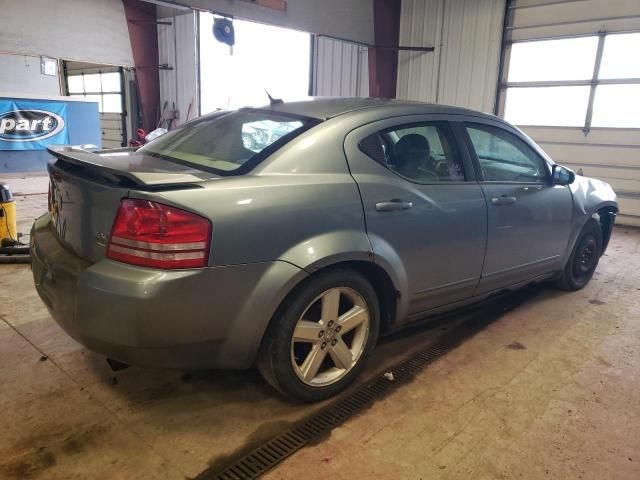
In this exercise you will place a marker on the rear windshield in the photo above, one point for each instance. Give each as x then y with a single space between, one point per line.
228 143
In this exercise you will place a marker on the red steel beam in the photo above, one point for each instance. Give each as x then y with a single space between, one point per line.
143 34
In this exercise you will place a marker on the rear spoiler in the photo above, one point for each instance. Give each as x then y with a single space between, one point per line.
119 166
78 156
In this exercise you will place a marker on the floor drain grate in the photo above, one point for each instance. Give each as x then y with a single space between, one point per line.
269 454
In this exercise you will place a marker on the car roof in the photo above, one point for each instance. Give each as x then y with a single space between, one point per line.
323 108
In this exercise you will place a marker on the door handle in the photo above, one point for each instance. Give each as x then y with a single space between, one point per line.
392 205
503 200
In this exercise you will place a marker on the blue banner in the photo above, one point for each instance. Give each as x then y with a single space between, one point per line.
32 124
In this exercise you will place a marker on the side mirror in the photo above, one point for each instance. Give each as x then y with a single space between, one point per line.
562 175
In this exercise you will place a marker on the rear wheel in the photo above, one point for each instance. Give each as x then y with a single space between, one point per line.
584 258
317 344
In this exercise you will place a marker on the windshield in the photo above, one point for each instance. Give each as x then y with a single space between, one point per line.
226 142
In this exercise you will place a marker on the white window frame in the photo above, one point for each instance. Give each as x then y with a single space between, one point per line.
102 91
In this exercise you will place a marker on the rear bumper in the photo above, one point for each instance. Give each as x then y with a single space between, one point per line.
201 318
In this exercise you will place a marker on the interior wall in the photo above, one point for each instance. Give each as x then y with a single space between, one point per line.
20 74
352 20
83 30
463 69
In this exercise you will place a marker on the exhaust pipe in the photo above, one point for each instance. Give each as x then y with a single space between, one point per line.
116 365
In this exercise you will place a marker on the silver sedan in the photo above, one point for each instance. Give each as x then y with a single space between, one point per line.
292 236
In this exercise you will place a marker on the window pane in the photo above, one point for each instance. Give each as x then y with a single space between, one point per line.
222 143
504 157
421 153
376 147
621 57
95 98
92 83
111 82
617 106
112 102
556 106
565 59
256 136
74 83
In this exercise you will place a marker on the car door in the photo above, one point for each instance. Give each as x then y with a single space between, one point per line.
529 218
425 214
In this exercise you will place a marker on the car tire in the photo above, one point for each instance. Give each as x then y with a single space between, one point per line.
584 258
303 351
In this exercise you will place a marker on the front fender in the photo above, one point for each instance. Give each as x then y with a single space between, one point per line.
589 195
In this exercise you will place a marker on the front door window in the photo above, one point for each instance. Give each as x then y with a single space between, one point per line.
503 157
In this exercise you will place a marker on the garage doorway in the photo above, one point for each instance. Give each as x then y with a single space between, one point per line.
103 84
264 58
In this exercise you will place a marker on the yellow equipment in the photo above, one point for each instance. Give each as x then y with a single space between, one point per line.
8 227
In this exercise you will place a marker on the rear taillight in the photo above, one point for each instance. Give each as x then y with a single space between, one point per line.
154 235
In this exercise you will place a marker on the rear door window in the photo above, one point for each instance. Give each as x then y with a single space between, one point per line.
228 143
422 152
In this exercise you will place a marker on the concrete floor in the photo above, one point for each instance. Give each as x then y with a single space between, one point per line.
550 389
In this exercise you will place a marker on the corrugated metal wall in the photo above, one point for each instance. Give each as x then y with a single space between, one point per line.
463 69
181 82
340 68
611 154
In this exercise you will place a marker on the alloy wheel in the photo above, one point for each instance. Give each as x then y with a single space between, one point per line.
330 336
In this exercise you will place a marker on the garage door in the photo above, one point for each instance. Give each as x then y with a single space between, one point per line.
103 84
571 80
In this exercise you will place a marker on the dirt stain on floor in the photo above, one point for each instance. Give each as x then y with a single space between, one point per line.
595 301
30 465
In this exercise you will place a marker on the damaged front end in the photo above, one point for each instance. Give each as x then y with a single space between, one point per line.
596 199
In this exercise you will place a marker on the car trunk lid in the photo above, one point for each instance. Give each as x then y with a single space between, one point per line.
86 190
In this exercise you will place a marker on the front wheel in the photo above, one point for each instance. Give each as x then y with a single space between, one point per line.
584 258
317 344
